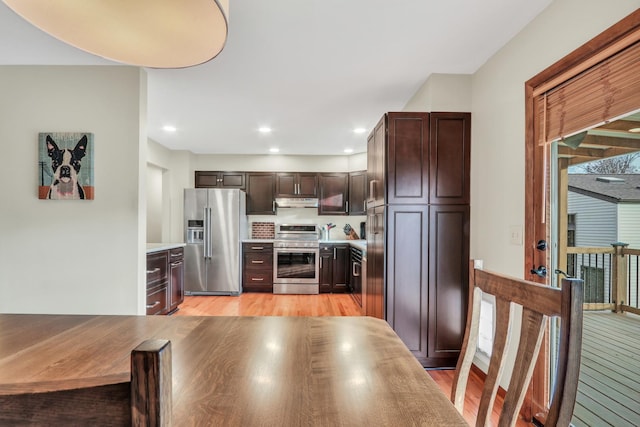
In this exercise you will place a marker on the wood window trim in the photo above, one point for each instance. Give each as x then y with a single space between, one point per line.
609 43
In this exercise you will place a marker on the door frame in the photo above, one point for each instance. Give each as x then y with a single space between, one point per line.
607 44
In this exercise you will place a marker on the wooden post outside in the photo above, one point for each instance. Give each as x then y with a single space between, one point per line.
151 384
618 276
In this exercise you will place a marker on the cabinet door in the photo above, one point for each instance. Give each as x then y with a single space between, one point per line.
334 194
450 136
286 184
407 295
375 263
376 152
448 282
261 187
358 193
341 268
326 271
308 184
206 179
408 158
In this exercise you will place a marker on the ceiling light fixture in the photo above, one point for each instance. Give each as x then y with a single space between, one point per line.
348 150
146 33
359 130
264 129
169 128
274 150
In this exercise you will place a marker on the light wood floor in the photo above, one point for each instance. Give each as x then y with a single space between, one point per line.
262 304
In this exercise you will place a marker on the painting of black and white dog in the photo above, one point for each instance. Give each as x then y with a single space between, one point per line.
66 164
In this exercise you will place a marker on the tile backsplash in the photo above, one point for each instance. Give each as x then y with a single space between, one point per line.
263 230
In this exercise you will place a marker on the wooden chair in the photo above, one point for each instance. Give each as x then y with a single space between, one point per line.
143 401
538 303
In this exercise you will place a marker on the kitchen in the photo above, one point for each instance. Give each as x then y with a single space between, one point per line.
306 209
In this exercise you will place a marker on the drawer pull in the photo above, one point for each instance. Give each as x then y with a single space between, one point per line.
257 248
257 279
257 262
155 270
175 264
176 255
153 305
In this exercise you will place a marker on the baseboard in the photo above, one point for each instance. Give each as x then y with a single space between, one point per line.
482 375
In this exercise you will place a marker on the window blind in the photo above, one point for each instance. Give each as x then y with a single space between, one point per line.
605 91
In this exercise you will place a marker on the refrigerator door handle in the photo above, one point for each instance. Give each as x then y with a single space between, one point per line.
209 235
207 228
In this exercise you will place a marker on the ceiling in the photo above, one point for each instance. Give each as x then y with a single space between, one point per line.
311 70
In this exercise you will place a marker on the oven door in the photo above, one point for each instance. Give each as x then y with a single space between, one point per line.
295 266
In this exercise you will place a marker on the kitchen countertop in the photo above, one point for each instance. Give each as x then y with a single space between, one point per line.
157 247
360 244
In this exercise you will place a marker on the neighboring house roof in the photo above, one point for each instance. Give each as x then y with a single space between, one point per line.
616 188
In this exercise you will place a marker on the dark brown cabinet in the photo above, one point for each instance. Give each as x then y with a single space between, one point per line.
418 230
257 267
261 189
334 194
157 282
176 278
296 184
334 268
165 280
358 193
215 179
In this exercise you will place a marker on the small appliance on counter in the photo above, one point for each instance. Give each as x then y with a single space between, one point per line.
363 230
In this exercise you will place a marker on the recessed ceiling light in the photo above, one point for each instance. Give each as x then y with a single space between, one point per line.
169 128
635 130
348 150
264 129
274 150
359 130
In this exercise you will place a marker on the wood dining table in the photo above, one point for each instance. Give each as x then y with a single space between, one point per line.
236 371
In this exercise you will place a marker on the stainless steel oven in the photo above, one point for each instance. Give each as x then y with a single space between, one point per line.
296 268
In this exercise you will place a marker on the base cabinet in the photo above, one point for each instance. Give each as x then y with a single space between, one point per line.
165 281
334 268
257 267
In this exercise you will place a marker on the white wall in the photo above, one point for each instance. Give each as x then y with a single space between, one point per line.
155 205
442 92
84 256
280 163
497 142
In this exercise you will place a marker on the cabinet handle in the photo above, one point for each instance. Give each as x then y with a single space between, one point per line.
273 206
176 255
347 202
257 262
257 248
155 270
353 269
257 279
321 262
334 254
175 264
153 305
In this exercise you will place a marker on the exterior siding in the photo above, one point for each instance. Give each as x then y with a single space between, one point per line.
596 220
629 232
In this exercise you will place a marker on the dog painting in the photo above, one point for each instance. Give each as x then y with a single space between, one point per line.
66 166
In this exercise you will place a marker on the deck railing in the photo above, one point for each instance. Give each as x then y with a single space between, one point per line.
611 276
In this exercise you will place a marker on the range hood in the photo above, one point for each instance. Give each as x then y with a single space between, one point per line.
296 202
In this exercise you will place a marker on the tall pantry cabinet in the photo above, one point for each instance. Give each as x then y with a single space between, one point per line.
418 230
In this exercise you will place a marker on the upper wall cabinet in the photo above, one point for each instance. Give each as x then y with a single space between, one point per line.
334 194
358 193
296 184
216 179
261 188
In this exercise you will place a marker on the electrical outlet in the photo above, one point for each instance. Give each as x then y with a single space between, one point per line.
515 235
477 263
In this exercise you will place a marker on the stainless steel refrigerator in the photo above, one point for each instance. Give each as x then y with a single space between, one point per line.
215 222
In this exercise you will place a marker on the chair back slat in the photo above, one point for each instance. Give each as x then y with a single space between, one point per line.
538 303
